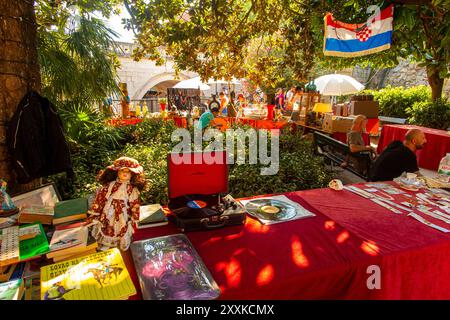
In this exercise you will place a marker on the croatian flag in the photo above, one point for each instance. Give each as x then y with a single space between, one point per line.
354 40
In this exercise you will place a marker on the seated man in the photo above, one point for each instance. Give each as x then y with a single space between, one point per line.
205 119
399 157
355 140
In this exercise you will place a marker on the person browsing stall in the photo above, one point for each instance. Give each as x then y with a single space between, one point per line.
223 103
399 157
205 119
279 99
290 94
355 139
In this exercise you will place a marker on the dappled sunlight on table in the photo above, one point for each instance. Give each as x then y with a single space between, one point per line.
370 248
342 237
232 270
330 225
255 226
265 276
298 256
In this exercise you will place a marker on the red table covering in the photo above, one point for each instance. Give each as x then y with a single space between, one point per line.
180 122
263 124
323 257
372 126
437 146
124 122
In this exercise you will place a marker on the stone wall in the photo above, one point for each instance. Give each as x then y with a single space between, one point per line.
406 74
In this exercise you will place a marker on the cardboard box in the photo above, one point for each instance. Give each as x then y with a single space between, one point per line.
367 108
333 123
341 109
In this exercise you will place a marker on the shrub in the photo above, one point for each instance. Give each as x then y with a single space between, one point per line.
430 114
395 100
150 141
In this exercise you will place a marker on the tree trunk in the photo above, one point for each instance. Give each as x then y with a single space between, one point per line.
436 83
19 68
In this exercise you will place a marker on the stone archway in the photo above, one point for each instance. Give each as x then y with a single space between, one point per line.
155 80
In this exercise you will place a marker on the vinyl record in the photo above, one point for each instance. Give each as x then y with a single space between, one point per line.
194 206
271 209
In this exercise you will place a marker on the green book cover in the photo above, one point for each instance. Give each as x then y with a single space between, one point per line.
151 213
33 247
10 290
70 207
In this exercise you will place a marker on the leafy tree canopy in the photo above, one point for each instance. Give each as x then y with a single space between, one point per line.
217 38
78 67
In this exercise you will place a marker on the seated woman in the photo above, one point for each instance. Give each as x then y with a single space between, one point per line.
355 140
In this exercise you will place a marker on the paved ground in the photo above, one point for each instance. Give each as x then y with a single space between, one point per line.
345 176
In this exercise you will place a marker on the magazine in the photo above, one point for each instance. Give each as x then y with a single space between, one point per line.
99 276
169 268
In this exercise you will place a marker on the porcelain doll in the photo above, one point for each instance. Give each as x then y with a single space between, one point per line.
115 209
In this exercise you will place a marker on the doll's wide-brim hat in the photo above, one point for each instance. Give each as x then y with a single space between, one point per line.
127 163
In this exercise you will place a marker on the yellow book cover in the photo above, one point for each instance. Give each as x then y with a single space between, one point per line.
100 276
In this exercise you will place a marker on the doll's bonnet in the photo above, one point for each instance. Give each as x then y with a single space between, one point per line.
128 163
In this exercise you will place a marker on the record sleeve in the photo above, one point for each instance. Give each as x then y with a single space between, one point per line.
276 209
169 268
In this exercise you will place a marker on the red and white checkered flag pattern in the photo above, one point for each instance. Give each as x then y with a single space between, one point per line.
364 34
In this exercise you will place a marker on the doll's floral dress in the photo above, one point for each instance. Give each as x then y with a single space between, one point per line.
114 212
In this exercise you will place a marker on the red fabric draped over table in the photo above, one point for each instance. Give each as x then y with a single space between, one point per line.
124 122
181 122
372 126
437 146
261 124
323 257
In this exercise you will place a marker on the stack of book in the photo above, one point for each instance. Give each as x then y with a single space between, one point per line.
70 210
151 215
71 241
22 243
61 212
36 213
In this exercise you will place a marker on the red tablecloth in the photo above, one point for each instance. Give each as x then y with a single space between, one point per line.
326 256
180 122
437 146
372 126
124 122
263 124
341 136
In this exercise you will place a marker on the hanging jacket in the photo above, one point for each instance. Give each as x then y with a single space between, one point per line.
35 140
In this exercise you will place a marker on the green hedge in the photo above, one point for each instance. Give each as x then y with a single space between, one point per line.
430 114
150 141
394 101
